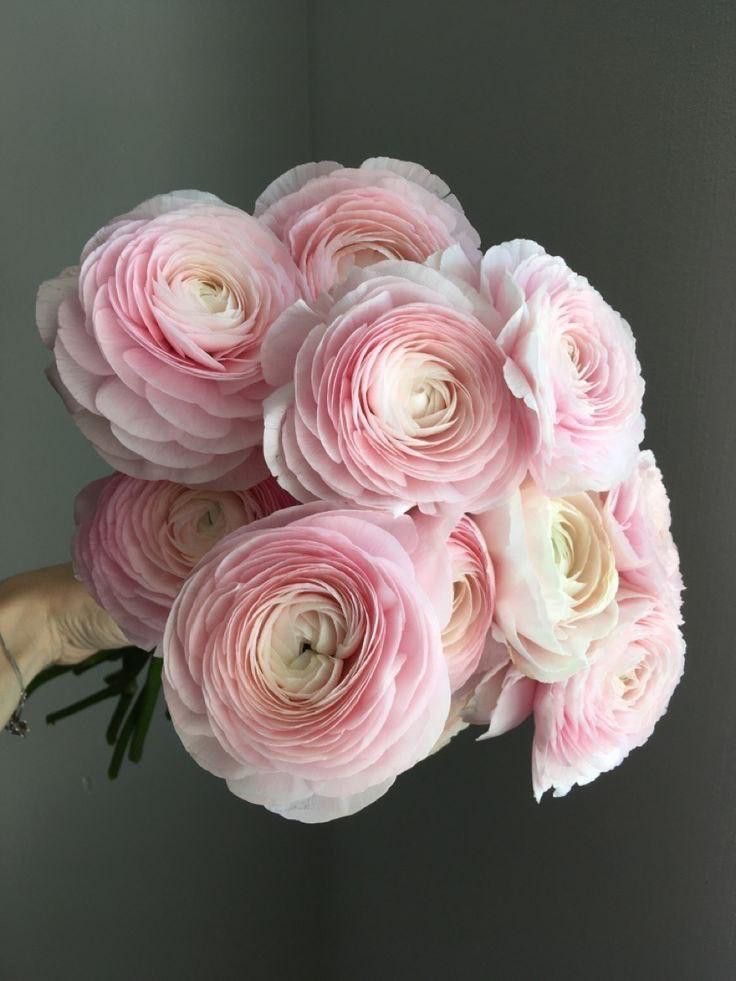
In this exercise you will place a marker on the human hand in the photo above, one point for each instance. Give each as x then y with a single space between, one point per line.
47 617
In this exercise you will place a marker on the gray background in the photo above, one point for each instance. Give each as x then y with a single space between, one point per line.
608 133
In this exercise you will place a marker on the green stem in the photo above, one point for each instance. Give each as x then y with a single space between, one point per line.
95 659
134 659
148 699
99 696
123 739
118 677
118 715
47 675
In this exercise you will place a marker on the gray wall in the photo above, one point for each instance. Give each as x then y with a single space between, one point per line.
608 133
162 875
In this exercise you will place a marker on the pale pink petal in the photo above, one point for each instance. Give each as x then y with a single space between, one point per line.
51 295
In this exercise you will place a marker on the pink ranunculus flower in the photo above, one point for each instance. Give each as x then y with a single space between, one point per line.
473 594
392 395
637 513
572 360
333 218
497 695
157 338
556 580
303 658
138 540
588 724
466 636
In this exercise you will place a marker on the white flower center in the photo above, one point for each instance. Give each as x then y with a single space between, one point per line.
582 555
196 304
195 520
584 360
304 644
631 685
213 296
416 395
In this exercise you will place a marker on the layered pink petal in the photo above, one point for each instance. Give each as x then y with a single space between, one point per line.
137 541
572 361
334 219
158 335
590 723
398 397
305 647
637 513
556 579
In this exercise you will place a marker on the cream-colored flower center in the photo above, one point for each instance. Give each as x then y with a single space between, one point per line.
582 555
562 545
417 395
304 644
572 350
204 302
212 522
582 360
463 610
198 519
214 296
630 685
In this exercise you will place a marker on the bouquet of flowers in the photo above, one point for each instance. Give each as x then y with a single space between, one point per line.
372 485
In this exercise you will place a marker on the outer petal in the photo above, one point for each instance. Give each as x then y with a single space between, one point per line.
292 181
416 173
51 294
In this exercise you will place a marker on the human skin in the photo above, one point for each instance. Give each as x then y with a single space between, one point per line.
47 617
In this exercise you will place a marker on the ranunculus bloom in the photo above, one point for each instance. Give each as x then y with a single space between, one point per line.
138 540
497 695
303 658
393 395
588 724
637 513
556 579
473 589
333 218
157 337
572 360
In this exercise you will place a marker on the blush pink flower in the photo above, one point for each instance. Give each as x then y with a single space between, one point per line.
473 593
556 580
157 337
572 360
137 541
497 695
588 724
637 513
303 659
393 395
333 218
